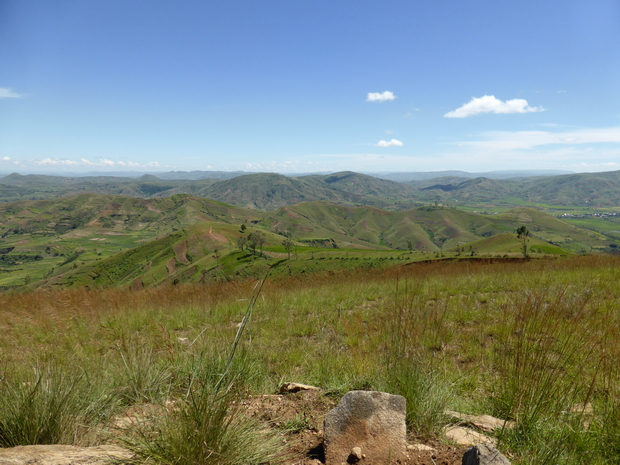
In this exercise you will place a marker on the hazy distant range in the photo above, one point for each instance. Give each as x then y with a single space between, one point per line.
398 177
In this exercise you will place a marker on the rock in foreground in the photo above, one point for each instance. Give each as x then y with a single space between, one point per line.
366 427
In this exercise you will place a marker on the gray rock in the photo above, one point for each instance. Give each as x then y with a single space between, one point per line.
64 455
484 455
372 421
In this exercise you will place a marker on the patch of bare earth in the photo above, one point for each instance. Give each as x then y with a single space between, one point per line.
217 236
300 417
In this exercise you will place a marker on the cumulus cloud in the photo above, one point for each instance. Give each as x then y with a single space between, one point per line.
490 104
8 93
389 143
380 96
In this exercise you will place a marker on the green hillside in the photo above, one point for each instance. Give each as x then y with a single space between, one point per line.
101 240
269 191
378 192
592 190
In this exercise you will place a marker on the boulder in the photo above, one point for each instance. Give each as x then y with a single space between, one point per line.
366 427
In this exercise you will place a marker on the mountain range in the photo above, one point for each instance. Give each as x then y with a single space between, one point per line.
269 191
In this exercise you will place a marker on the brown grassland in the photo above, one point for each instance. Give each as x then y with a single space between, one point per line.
529 342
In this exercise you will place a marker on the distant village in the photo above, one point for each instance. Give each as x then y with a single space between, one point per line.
589 215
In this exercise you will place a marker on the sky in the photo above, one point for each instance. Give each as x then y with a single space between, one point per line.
309 86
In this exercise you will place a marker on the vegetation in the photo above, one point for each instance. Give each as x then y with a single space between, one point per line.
97 240
534 342
119 307
523 234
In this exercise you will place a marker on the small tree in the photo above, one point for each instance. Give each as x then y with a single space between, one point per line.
288 245
256 240
410 246
243 228
523 234
217 255
241 242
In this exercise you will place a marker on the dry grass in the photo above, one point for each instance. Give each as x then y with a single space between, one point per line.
525 341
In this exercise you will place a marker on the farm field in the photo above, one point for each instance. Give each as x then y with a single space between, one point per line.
534 342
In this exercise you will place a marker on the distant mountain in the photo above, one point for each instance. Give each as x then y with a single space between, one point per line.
584 189
195 175
269 191
383 192
507 174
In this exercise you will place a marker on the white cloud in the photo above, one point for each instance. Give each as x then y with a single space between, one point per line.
5 159
576 149
490 104
380 97
8 93
389 143
84 162
525 140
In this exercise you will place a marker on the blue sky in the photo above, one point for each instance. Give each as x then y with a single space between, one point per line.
299 86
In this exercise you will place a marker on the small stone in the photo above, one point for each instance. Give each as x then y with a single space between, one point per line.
296 387
356 454
482 422
467 437
484 455
585 409
420 447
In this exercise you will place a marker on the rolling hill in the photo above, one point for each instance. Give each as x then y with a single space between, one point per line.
269 191
114 240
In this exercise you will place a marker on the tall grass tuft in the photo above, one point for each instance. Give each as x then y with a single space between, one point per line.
427 396
546 366
415 332
138 373
206 427
50 405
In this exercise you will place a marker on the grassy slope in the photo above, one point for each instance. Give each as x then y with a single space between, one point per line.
525 342
75 231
